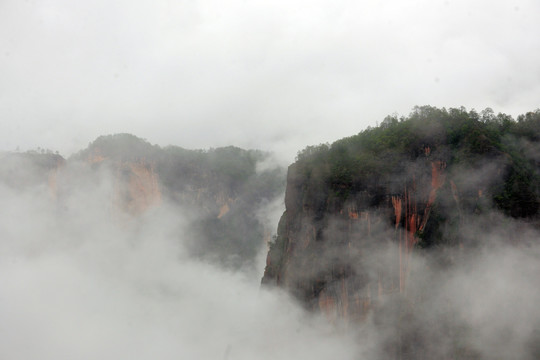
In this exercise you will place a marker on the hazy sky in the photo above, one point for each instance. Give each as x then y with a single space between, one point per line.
275 75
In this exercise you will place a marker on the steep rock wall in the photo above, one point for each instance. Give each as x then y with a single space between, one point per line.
137 187
344 256
220 190
136 183
219 193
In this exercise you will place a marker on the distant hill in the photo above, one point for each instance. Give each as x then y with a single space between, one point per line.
223 188
22 170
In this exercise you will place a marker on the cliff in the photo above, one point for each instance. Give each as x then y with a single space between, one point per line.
357 209
23 170
221 189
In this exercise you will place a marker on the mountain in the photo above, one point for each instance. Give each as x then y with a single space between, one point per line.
220 191
22 170
376 224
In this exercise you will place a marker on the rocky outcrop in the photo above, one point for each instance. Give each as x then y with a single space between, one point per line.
137 187
320 256
357 210
220 189
136 183
217 192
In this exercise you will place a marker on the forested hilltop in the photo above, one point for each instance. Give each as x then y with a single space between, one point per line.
221 192
380 157
377 225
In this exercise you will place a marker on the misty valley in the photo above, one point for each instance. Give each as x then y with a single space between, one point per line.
414 239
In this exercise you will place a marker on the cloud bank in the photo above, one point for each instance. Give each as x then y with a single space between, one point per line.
78 280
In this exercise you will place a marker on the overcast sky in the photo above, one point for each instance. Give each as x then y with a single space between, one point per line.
276 75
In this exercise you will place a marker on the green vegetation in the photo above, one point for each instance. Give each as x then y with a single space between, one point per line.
487 162
380 158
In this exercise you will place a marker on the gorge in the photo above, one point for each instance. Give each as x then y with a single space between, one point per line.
416 239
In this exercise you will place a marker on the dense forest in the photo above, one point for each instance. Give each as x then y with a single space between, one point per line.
371 159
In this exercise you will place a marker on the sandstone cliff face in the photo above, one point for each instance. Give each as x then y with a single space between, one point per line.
344 243
220 190
381 229
136 184
137 187
217 193
323 257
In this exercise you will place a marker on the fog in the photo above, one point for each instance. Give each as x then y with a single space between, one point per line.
80 280
487 297
473 302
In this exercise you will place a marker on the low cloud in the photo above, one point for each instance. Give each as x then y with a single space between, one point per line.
77 280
